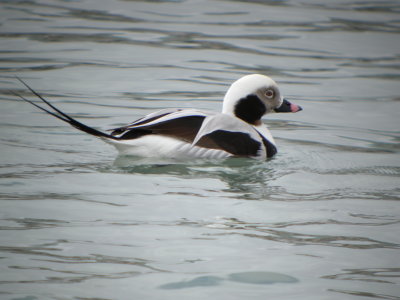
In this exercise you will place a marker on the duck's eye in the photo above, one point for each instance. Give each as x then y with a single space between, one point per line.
269 93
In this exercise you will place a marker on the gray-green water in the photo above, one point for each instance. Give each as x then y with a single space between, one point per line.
319 221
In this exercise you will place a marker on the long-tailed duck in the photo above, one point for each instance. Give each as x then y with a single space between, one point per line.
190 133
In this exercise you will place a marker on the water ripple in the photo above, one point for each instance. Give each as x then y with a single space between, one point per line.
380 275
365 294
268 232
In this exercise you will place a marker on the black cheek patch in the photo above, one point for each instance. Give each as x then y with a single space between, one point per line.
250 109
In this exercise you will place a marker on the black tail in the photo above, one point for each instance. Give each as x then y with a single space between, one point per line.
62 116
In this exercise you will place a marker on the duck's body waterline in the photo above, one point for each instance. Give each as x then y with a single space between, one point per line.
190 133
167 147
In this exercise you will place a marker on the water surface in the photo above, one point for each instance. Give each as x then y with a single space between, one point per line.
319 221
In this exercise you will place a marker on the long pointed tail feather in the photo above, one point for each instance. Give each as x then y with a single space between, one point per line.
61 115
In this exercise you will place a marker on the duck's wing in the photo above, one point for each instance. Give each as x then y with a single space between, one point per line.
144 120
232 135
182 124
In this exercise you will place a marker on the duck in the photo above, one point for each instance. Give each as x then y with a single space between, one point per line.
236 131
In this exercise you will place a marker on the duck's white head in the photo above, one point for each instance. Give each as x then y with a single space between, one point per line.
252 96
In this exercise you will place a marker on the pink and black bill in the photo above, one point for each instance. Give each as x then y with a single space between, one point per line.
288 107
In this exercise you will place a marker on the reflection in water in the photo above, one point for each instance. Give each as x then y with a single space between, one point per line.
319 175
246 178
